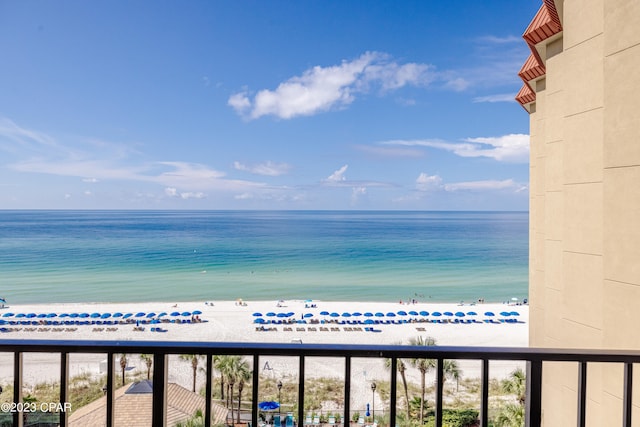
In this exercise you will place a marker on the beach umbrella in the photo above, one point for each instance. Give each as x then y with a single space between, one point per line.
126 316
95 315
117 314
74 315
84 315
515 313
270 314
291 313
391 314
505 313
259 320
378 314
41 316
197 312
175 313
402 313
164 313
105 315
21 315
459 314
257 314
472 313
436 313
448 313
7 315
282 315
151 314
308 315
268 405
334 314
3 322
424 313
369 322
356 314
324 313
186 313
489 313
31 315
140 314
368 314
64 315
345 314
50 315
413 313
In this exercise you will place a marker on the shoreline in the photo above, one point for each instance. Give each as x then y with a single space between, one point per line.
234 321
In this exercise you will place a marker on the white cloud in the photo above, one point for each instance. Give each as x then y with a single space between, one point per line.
338 176
357 193
426 182
502 97
321 89
90 180
506 148
386 152
483 185
268 168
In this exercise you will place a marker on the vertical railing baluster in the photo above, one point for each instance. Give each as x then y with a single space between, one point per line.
64 388
627 394
484 397
533 406
207 391
110 388
393 392
439 388
17 387
582 394
159 400
301 392
254 390
347 391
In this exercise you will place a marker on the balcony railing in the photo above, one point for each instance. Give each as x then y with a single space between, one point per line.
534 358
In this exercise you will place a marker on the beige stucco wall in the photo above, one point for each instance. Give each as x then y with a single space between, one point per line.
585 203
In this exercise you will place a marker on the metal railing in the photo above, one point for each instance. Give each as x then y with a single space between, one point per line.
534 358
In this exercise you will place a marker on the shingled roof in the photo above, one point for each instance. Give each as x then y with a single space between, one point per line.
133 407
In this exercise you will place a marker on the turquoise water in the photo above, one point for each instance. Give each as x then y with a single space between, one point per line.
126 256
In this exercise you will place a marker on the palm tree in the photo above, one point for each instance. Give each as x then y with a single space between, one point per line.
424 366
194 359
148 360
123 365
242 374
516 384
401 369
513 414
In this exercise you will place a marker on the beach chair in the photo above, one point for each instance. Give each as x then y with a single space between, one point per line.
307 420
332 420
288 421
277 421
316 420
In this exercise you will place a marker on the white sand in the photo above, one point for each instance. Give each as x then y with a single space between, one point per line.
227 321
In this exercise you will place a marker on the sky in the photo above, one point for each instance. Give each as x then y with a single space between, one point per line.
333 104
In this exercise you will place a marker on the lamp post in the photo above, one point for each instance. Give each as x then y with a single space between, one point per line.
373 402
279 385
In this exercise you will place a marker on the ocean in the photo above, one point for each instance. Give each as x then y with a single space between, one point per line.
130 256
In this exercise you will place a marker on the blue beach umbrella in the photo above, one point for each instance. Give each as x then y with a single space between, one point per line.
271 314
186 313
515 313
117 314
269 405
175 314
448 313
378 314
391 314
164 313
324 313
74 315
7 315
424 313
105 315
281 315
460 314
436 313
472 313
489 313
368 314
151 314
259 320
413 313
334 314
402 313
41 316
308 315
505 313
21 315
95 315
257 314
291 313
64 315
356 314
31 315
140 314
197 312
50 315
84 315
369 322
345 314
126 316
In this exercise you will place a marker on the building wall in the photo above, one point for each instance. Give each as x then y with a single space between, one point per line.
585 202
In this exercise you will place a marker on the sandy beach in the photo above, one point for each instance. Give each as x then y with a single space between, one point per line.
234 321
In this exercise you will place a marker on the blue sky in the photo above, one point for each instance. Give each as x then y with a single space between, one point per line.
263 105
